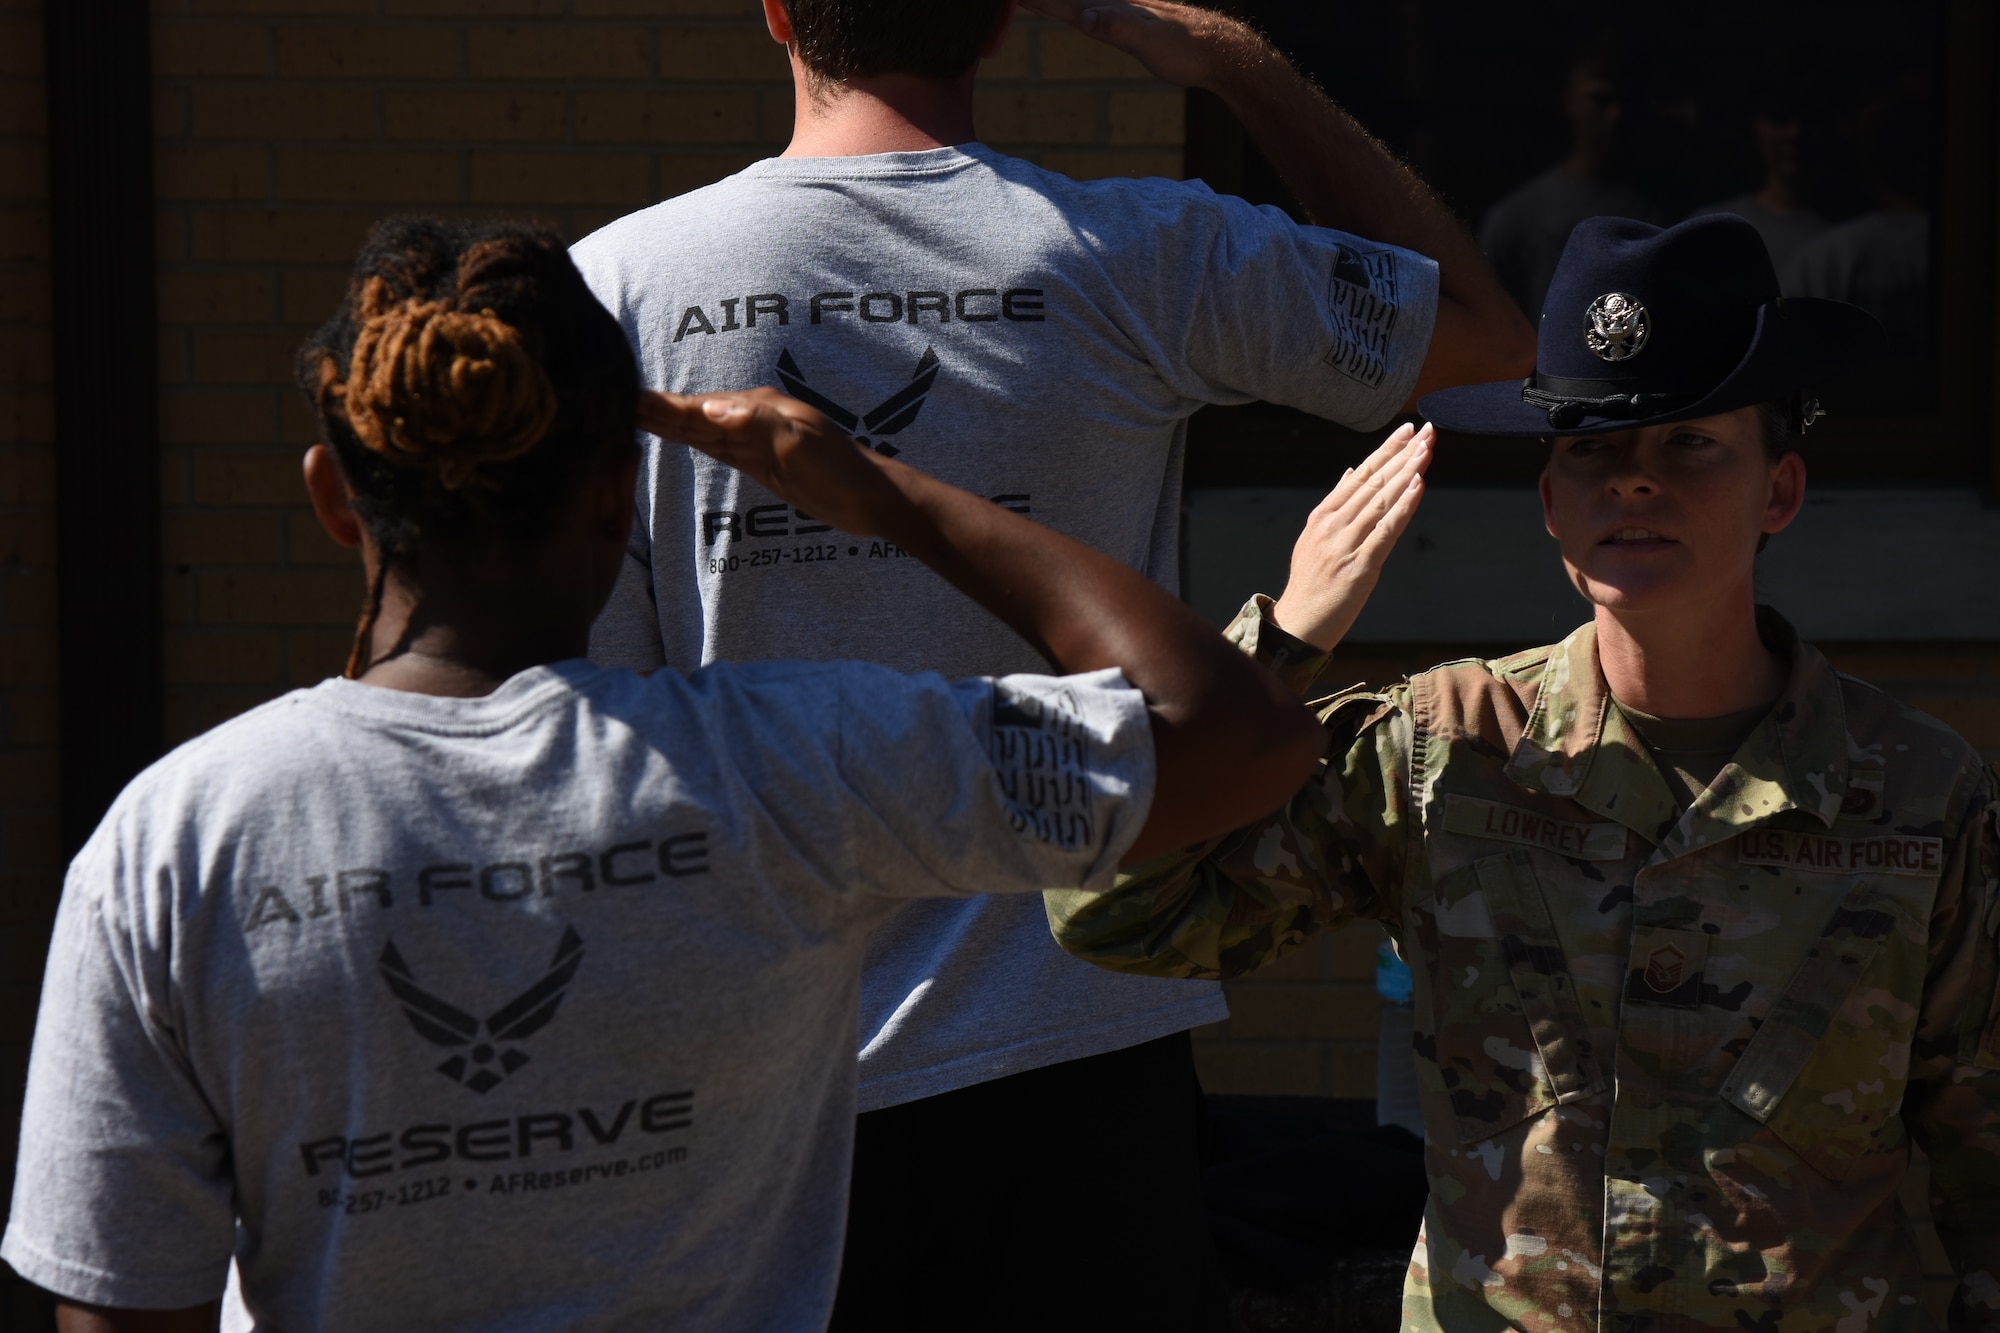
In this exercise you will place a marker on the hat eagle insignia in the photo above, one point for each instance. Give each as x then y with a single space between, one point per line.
1618 327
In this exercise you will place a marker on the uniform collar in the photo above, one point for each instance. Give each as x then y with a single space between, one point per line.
1578 745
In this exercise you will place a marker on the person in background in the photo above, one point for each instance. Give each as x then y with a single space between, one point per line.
1881 260
1042 342
1706 934
1524 232
1778 208
486 988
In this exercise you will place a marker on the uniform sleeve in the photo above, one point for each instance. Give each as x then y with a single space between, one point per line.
1312 318
992 785
1955 1065
1231 906
124 1195
1293 661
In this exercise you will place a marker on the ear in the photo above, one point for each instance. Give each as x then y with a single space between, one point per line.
332 499
1548 505
779 20
1787 495
999 37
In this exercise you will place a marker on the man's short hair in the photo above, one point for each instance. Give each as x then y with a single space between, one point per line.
839 40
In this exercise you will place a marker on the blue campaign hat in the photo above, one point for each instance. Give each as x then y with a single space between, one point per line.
1646 324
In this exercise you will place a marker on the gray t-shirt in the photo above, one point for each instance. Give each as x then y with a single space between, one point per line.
532 1011
1034 339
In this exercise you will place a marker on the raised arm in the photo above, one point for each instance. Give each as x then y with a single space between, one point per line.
1343 176
1231 743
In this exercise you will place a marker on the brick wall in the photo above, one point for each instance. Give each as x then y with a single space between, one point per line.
1307 1025
285 126
30 860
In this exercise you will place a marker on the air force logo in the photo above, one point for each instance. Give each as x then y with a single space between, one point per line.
492 1057
891 416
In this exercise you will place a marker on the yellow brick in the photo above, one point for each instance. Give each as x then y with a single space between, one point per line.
1264 1070
722 55
23 109
1099 166
264 111
206 50
220 539
28 597
474 8
311 295
1068 54
1295 1013
216 296
559 50
248 479
265 234
1351 952
25 357
313 655
682 172
1350 1071
28 541
170 114
666 117
224 659
1151 117
1887 666
243 417
28 656
775 114
374 51
651 9
1975 718
21 47
24 171
24 235
404 179
558 178
212 173
244 358
25 296
484 116
306 543
289 598
31 715
28 476
1011 62
1034 115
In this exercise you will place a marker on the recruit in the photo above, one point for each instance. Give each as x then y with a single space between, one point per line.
1703 929
1039 341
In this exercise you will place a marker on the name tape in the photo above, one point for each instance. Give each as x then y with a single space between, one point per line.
1894 854
1509 823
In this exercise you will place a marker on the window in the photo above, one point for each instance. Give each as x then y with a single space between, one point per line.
1858 135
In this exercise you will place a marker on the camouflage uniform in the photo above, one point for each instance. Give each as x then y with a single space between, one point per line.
1671 1062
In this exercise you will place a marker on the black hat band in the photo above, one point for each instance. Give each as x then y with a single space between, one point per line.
1569 401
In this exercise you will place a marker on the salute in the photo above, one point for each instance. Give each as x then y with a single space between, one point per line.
1704 931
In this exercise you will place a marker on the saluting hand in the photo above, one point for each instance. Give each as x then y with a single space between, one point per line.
1339 556
790 449
1182 44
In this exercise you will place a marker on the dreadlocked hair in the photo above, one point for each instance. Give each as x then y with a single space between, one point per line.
468 385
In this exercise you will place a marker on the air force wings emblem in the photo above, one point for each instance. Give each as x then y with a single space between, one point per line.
889 417
491 1058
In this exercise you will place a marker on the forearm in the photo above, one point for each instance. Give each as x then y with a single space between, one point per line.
1231 742
72 1318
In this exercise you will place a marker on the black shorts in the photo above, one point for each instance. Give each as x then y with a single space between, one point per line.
1067 1197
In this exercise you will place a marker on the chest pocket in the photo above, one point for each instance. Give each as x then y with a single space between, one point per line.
1827 1069
1511 1039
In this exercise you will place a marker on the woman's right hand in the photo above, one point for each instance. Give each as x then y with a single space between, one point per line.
790 449
1338 558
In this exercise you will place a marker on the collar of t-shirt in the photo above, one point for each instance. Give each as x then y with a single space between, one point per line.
1691 752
